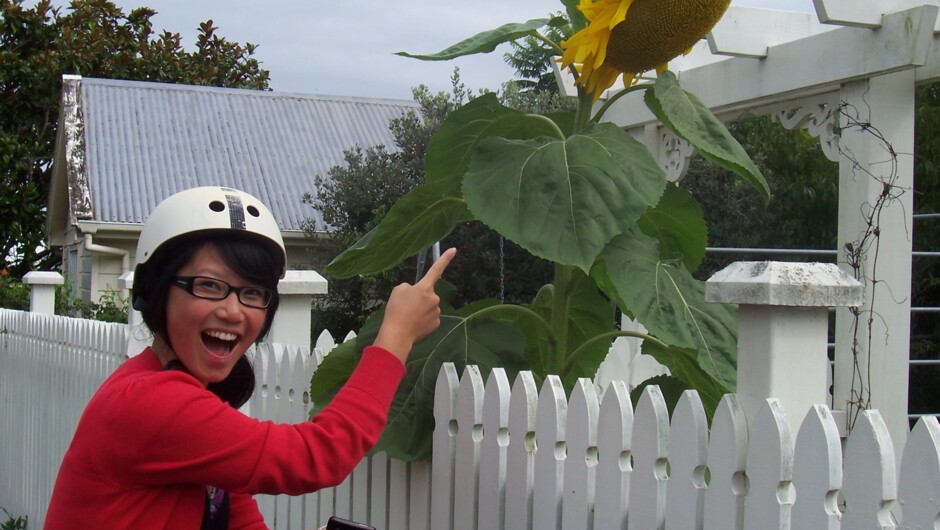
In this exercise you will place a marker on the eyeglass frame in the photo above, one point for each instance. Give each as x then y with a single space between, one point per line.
187 283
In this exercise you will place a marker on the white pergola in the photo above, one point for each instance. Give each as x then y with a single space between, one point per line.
852 62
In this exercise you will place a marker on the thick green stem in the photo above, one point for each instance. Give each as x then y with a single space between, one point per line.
561 301
558 131
608 336
553 343
582 116
615 97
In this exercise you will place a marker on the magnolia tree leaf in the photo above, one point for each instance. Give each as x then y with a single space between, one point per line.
679 225
449 150
563 200
462 341
423 216
691 120
484 42
669 302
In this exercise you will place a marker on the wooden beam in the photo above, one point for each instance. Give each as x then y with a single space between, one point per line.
815 64
865 13
750 32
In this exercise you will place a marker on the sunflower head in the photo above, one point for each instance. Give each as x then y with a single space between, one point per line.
629 37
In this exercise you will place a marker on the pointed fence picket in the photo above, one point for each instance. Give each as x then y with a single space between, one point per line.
509 454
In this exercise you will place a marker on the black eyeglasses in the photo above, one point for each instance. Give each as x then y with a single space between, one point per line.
214 289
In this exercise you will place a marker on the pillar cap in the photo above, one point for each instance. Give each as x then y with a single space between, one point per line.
43 278
302 282
781 283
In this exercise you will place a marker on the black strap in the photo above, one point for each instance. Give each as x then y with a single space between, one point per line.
215 515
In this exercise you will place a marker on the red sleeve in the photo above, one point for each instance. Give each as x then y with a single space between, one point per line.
180 432
244 513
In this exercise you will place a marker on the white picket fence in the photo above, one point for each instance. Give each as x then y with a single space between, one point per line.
508 455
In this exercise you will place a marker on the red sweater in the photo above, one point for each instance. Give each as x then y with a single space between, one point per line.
151 440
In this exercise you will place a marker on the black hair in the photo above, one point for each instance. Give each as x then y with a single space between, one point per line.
259 264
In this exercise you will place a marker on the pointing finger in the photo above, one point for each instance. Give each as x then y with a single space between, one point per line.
436 270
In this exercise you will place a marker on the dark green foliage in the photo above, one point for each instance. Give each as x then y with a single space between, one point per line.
804 188
92 38
13 523
925 338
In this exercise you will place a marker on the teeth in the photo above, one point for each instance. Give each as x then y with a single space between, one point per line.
221 335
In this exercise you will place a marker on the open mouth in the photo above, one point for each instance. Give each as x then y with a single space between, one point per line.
219 343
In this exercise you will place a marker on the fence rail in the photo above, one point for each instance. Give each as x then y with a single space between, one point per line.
508 454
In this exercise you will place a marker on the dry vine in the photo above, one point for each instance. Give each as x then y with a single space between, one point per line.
866 249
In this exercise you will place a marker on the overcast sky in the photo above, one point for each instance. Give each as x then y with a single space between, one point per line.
347 47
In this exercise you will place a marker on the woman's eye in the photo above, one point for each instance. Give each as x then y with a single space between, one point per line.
253 293
210 286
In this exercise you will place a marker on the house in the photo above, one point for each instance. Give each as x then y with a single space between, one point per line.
123 146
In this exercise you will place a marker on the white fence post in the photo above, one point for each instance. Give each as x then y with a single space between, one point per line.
42 286
292 323
782 331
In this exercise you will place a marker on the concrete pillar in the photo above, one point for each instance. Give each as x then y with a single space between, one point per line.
292 322
783 309
42 286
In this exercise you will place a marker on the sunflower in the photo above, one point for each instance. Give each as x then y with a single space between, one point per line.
629 37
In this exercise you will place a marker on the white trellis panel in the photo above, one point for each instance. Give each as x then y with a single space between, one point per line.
581 461
919 480
769 470
493 451
442 460
817 471
650 445
614 432
688 454
469 435
870 485
550 456
520 467
727 459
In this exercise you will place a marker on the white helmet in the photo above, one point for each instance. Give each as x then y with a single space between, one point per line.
208 209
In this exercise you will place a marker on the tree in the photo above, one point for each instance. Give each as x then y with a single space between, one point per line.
93 38
531 57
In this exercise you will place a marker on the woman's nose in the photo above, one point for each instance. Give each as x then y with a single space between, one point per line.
230 308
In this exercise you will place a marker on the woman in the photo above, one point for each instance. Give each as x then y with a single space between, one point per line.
161 444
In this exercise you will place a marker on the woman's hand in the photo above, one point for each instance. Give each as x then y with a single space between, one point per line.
413 311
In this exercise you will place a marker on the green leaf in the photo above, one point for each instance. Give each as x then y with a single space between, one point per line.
450 148
686 373
679 225
484 42
563 200
691 120
423 216
589 315
578 20
460 340
669 302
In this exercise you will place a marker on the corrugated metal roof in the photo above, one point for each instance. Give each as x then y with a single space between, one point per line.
145 141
